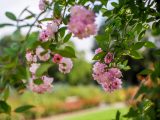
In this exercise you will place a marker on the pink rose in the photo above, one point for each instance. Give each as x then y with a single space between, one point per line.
108 58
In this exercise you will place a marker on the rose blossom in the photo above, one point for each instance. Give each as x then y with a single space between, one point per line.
98 50
112 85
65 65
49 32
115 72
30 57
45 56
52 28
109 79
43 87
44 36
108 58
34 67
42 4
82 22
57 58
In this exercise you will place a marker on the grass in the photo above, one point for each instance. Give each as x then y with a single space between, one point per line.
108 114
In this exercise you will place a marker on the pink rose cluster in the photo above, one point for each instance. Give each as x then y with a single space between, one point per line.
82 22
65 66
49 32
45 86
108 78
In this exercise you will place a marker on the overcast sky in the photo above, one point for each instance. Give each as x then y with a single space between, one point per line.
16 6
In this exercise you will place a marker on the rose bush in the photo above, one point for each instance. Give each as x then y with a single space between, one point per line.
122 34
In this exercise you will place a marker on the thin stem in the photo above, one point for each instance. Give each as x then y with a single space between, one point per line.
33 24
20 15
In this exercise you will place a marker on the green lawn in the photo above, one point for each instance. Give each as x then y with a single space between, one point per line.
108 114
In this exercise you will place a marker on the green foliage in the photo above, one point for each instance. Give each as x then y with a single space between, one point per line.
4 107
118 115
66 52
23 108
43 68
11 16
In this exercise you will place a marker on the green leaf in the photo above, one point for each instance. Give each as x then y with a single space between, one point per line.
102 41
141 35
67 37
99 56
4 107
114 4
29 17
62 31
137 46
138 28
157 52
149 44
67 52
104 2
131 113
23 108
146 72
97 8
108 13
147 104
57 10
52 47
125 62
38 81
11 16
6 93
5 24
43 68
135 55
46 19
118 115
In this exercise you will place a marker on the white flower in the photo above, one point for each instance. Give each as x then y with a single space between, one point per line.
65 65
34 67
43 57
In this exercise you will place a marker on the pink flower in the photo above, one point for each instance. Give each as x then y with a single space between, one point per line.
44 36
112 85
57 58
29 56
99 71
42 4
34 67
46 86
41 56
108 58
115 72
49 32
99 68
98 50
51 29
109 79
65 65
82 22
117 83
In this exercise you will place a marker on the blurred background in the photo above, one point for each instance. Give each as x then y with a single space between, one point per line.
76 91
